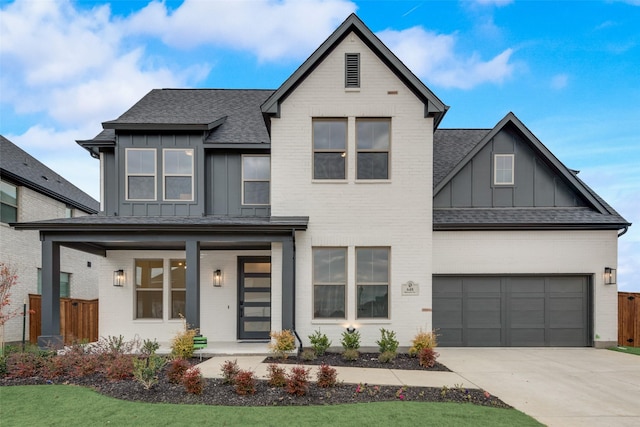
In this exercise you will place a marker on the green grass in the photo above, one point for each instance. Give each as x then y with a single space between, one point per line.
628 350
61 405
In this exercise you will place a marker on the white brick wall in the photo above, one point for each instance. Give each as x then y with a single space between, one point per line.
395 214
22 250
537 252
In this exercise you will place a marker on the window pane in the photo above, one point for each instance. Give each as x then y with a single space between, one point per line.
256 193
142 187
373 165
372 135
329 265
257 267
329 135
328 166
257 297
178 161
373 301
177 188
149 305
8 213
328 301
141 161
8 193
257 282
251 326
178 274
149 273
372 265
65 284
178 299
256 167
257 311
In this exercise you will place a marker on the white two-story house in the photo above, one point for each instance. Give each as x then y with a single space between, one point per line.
336 202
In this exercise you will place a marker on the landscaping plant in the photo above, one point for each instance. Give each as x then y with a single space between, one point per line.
192 381
177 368
319 342
308 354
422 340
388 345
245 383
146 369
350 343
298 381
326 376
229 371
282 343
182 343
428 357
276 375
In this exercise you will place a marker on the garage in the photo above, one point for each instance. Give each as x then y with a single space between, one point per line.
512 311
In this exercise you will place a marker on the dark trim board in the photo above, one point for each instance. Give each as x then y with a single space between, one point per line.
513 310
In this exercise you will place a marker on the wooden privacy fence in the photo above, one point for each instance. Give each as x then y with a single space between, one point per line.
629 319
78 319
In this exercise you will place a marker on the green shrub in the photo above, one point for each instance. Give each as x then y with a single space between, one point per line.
319 342
149 347
282 343
350 354
388 341
350 340
387 356
422 340
308 354
146 369
276 375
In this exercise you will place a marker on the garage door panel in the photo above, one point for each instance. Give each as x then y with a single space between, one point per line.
512 310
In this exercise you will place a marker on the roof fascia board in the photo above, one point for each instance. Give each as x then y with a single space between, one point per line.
523 227
542 149
157 126
237 146
433 105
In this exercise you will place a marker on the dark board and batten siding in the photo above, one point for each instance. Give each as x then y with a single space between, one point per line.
535 184
512 311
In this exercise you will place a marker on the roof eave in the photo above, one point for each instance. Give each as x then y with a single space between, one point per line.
530 226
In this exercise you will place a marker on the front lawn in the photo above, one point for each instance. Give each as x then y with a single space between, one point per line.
63 405
628 350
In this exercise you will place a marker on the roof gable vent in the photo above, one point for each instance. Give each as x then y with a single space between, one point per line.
352 70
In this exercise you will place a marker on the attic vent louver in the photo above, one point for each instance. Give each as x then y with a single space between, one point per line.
352 70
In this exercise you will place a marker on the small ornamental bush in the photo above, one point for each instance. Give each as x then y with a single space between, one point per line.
388 341
53 367
276 375
177 368
350 354
350 340
23 365
427 357
387 356
282 343
326 376
245 383
298 381
146 369
422 340
319 342
149 347
182 342
229 371
308 354
120 368
83 365
192 381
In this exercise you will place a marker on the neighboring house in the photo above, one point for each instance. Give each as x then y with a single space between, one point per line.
30 191
333 202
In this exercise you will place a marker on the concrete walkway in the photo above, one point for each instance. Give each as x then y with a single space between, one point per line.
557 386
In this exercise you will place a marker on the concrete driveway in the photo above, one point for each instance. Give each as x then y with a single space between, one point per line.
556 386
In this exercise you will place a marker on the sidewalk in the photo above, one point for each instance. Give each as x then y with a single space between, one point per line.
211 369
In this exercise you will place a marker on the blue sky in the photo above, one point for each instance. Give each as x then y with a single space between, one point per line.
569 70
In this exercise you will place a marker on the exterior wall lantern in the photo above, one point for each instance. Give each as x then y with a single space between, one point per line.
217 278
118 278
351 329
610 276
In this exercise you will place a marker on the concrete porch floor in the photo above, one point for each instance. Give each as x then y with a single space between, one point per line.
225 348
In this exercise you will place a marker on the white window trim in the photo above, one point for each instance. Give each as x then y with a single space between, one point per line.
165 263
345 153
255 180
155 173
164 174
495 169
388 284
331 320
17 199
388 150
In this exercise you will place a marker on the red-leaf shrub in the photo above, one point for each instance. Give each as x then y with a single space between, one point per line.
326 376
245 383
428 357
276 375
298 381
192 381
176 370
229 371
23 365
120 368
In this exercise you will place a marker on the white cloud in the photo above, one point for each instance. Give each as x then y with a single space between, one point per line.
559 81
270 30
433 57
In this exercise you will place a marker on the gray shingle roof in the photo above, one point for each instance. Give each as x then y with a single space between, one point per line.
238 109
450 146
23 168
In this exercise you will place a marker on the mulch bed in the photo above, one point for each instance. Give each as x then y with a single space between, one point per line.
218 393
366 360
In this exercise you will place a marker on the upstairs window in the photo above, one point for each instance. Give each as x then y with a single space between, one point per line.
352 70
178 174
9 202
141 173
256 174
329 148
503 168
373 148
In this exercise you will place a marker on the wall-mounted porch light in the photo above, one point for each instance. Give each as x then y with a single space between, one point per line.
351 329
118 278
217 278
610 276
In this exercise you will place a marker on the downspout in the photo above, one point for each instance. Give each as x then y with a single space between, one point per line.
293 241
626 228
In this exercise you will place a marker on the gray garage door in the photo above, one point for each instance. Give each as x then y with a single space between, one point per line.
512 311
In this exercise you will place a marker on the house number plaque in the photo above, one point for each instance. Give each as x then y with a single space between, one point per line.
410 288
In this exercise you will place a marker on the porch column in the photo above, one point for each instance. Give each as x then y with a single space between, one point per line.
50 303
288 284
192 303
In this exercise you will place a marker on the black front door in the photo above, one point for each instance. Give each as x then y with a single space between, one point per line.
254 297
